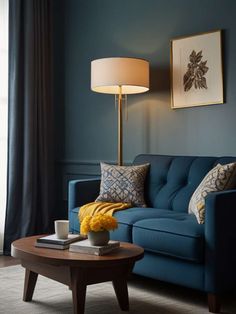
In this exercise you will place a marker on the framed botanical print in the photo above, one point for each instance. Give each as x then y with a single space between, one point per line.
196 70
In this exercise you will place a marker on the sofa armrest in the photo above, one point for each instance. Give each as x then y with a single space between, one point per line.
81 192
220 240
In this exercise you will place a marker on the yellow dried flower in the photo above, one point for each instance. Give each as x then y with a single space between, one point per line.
85 226
98 222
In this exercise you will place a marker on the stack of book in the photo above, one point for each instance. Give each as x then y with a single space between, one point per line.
87 248
52 242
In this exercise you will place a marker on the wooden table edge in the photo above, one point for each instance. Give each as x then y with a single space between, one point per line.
41 255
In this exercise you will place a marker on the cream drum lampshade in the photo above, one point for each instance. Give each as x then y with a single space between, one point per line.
112 75
120 76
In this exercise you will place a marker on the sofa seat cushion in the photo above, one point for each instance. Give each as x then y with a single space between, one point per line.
175 235
134 214
126 219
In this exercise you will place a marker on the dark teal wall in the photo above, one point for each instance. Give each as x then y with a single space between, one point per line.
86 121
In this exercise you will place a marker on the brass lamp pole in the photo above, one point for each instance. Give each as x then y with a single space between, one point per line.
120 76
120 129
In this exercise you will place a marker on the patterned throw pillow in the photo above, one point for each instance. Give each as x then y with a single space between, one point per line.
221 177
123 184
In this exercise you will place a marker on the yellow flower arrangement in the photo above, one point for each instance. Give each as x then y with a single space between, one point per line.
99 222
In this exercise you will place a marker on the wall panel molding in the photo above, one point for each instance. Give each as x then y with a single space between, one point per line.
89 162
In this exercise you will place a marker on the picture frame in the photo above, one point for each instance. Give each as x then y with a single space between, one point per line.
196 70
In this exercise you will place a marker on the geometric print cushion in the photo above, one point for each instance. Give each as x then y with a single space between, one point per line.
123 184
221 177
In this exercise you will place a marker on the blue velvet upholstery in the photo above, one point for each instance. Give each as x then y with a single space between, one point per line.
172 270
220 239
73 220
176 235
80 192
173 179
177 248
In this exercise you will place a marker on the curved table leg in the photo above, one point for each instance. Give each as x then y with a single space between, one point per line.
29 285
78 287
121 290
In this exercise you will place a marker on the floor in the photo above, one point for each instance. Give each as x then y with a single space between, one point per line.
229 298
8 261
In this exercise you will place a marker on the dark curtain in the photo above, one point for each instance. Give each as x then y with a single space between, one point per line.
30 146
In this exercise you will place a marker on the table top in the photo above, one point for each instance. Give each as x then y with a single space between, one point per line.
25 249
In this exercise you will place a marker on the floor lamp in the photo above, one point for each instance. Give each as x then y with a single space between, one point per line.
120 76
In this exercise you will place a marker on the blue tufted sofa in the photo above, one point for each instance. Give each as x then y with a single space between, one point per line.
177 248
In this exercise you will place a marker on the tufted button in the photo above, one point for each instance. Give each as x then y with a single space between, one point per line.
164 181
183 182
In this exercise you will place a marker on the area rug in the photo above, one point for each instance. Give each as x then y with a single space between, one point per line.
146 296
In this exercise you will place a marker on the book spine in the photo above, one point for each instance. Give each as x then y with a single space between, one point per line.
51 241
93 251
52 246
60 242
103 251
110 246
82 250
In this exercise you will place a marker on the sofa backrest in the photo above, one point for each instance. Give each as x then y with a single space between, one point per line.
171 180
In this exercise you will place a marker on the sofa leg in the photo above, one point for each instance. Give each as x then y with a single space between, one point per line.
213 303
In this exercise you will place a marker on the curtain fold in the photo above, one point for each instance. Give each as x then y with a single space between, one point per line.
30 186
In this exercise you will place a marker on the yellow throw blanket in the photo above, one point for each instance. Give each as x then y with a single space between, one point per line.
101 208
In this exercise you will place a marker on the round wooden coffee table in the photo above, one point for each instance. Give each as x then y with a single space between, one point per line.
77 270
